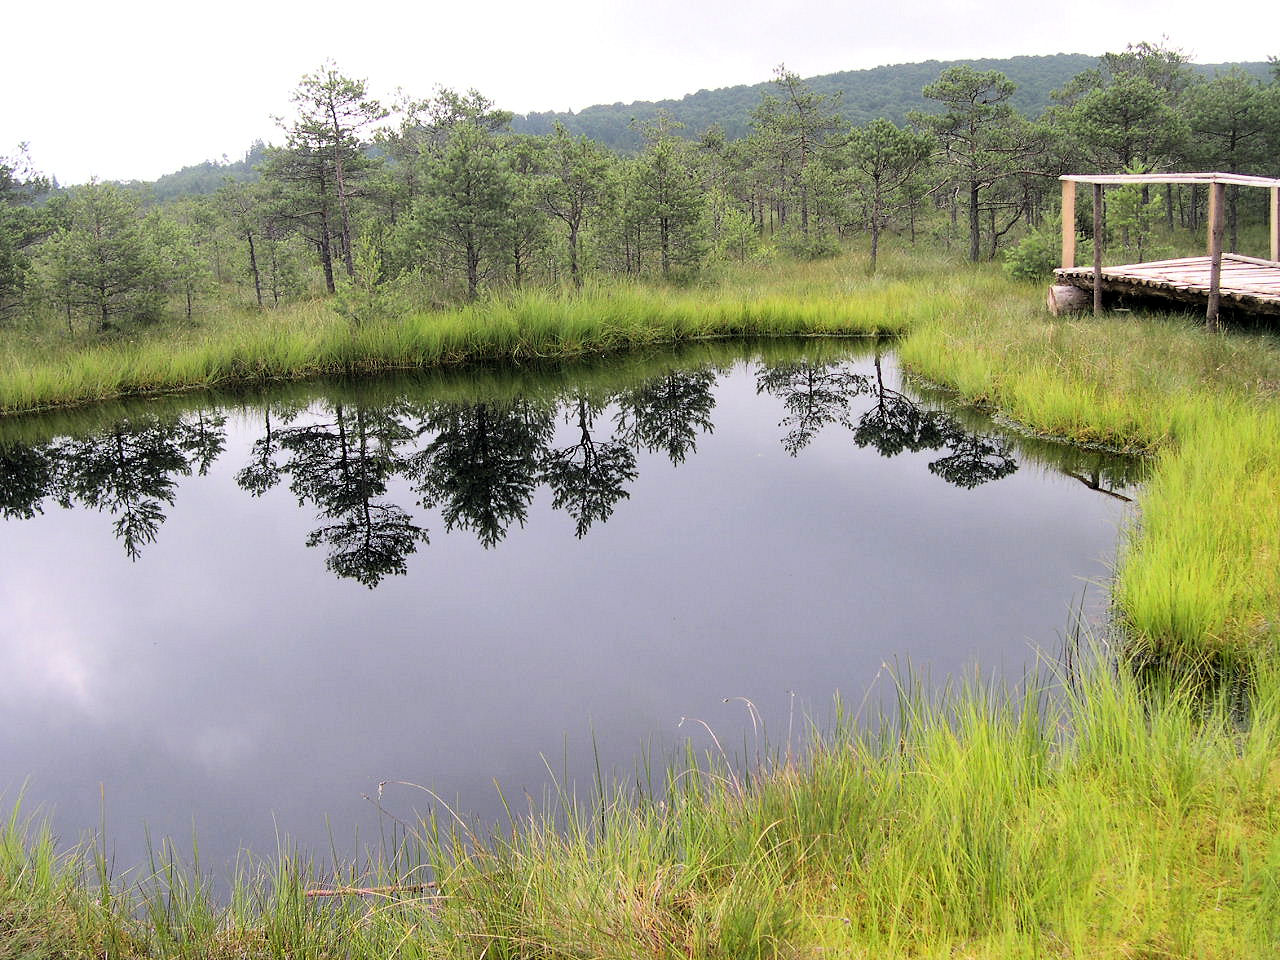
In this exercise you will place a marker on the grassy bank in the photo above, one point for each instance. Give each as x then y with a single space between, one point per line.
1104 823
1199 578
310 340
1104 820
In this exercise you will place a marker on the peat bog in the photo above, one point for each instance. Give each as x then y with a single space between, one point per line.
241 615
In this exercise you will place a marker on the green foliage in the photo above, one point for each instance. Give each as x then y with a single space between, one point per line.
467 192
1034 257
883 164
575 185
891 92
666 204
814 245
180 269
1134 211
22 225
365 297
206 178
983 142
104 265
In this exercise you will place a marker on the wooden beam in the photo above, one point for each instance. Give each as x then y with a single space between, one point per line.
1069 224
1097 249
1217 197
1275 223
1118 179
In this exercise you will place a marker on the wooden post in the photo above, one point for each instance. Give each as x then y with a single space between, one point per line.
1097 249
1275 223
1217 196
1069 224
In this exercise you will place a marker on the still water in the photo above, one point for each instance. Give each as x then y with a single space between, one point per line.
239 616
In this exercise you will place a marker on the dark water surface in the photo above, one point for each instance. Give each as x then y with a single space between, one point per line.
243 615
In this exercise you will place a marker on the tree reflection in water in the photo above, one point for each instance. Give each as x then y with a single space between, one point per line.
818 394
130 472
478 463
588 477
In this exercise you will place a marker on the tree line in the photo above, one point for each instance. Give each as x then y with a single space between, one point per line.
440 196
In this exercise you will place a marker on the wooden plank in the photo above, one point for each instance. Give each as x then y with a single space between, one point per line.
1097 249
1217 197
1068 223
1162 263
1241 258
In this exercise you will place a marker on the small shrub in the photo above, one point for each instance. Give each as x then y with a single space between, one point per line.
1038 253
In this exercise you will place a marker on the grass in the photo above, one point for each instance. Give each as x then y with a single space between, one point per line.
1100 820
1108 817
308 340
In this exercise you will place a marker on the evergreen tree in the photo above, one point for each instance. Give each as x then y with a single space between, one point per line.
22 225
333 110
666 204
575 185
982 140
468 191
103 264
882 160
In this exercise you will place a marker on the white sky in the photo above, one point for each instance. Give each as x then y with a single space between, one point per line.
138 88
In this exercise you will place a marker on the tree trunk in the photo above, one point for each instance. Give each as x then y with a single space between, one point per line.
664 239
253 265
473 271
975 226
326 253
573 256
341 184
875 243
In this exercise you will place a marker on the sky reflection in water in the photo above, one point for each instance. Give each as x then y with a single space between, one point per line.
245 617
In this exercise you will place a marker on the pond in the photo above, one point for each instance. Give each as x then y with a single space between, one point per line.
239 616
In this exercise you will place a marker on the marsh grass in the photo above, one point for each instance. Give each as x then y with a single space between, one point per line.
1100 818
237 346
1124 814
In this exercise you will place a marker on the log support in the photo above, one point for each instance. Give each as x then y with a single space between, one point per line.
1275 223
1217 196
1069 224
1097 249
1064 299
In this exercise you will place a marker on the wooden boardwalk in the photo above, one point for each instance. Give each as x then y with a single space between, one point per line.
1245 283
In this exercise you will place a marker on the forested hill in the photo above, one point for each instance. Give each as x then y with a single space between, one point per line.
207 177
889 91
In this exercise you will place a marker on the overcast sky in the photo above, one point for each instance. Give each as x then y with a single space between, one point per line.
136 89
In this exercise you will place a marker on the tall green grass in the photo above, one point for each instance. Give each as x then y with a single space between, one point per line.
1097 820
311 340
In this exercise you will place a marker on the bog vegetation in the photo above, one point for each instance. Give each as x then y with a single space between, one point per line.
1114 815
438 200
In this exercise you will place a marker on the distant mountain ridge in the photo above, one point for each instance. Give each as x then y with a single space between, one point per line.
888 91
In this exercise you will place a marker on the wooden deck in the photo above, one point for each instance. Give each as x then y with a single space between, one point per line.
1247 284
